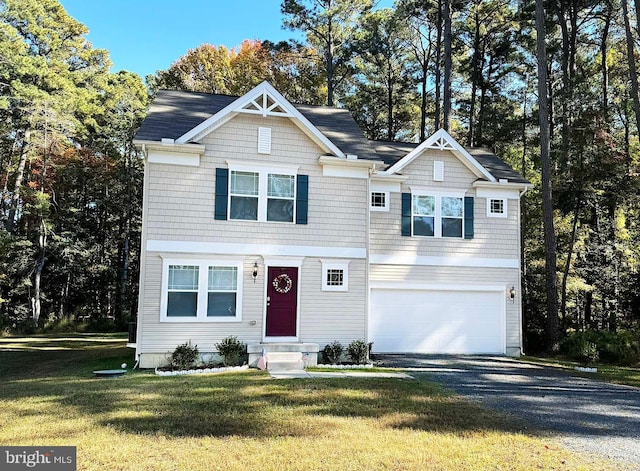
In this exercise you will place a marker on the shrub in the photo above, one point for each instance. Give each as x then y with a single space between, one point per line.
332 353
232 351
358 350
618 348
184 356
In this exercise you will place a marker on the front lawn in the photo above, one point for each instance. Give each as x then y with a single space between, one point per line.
246 421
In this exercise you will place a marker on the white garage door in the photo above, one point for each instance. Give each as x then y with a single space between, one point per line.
437 321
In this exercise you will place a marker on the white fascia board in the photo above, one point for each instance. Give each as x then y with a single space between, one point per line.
444 261
489 189
344 172
173 158
189 148
254 166
385 186
362 163
347 168
250 97
222 248
457 150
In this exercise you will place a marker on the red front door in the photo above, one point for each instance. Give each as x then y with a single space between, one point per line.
282 301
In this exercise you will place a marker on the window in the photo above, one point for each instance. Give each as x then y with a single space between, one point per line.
497 207
451 216
221 291
424 215
258 193
201 291
280 197
182 291
437 215
379 201
244 193
335 276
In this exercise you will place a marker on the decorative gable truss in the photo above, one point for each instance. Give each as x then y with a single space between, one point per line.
263 100
442 140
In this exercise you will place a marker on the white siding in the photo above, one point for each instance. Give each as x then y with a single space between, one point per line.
493 237
324 315
181 199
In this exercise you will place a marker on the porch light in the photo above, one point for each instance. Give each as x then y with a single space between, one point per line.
512 293
255 271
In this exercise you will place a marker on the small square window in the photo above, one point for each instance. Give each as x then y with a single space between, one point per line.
496 207
379 201
335 276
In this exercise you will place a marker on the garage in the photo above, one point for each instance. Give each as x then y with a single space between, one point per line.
464 321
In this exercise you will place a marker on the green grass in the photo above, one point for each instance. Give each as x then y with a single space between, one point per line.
245 421
609 373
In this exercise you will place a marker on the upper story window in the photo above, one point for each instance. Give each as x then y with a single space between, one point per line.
496 207
437 215
281 191
259 193
244 195
379 201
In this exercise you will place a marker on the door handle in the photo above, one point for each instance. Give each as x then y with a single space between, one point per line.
268 300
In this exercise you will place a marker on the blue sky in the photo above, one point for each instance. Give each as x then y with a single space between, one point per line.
143 36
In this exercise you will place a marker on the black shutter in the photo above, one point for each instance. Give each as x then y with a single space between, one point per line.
406 214
468 217
222 193
302 198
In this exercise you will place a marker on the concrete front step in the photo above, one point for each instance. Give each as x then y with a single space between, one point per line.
306 353
285 365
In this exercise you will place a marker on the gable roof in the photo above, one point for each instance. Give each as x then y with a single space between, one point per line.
180 115
392 152
175 114
442 140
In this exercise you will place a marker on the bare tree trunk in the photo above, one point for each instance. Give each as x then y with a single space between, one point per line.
17 186
36 301
447 67
475 76
547 197
438 78
567 266
390 132
329 63
633 72
604 65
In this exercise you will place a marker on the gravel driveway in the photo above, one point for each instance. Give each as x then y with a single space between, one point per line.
587 415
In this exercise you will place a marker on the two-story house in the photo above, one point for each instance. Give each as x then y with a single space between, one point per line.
282 224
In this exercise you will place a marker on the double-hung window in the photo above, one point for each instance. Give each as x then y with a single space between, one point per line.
437 215
261 193
201 290
244 195
281 192
424 215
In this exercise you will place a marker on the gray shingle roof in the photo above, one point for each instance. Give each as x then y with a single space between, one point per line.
173 113
495 165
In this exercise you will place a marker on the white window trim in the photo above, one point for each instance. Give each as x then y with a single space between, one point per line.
263 184
437 223
203 267
386 201
491 214
335 265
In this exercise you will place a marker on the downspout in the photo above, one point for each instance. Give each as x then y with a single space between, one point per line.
143 256
367 255
520 313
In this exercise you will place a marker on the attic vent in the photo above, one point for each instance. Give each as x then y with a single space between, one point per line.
438 171
264 140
